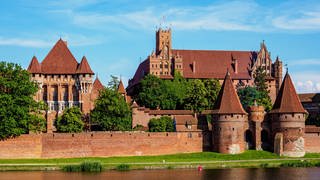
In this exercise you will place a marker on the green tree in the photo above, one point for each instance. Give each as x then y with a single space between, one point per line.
70 121
111 112
195 99
213 87
162 124
150 92
113 83
248 95
260 83
37 123
16 91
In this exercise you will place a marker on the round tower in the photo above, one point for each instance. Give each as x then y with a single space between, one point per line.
229 120
288 121
256 118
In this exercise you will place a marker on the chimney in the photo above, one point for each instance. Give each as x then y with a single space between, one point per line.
235 65
194 67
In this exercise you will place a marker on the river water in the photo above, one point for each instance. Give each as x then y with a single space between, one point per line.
214 174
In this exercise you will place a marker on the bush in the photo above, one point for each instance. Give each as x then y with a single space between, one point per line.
123 167
87 166
70 121
298 164
163 124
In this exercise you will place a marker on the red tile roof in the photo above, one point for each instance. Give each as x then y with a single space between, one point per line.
59 60
287 100
185 119
84 67
121 89
228 101
97 85
309 97
214 63
34 66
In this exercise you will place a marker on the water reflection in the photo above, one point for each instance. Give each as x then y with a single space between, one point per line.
216 174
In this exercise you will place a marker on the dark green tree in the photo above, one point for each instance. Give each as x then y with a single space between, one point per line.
248 95
111 112
114 82
213 87
196 96
70 121
150 92
16 102
260 83
162 124
37 123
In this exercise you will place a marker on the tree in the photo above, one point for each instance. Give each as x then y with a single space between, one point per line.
70 121
248 95
16 91
195 99
113 83
162 124
150 92
260 83
37 123
213 87
111 112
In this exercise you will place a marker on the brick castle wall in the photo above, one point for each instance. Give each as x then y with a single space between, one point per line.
312 142
103 144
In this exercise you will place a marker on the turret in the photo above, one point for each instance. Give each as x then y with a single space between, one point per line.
256 118
229 120
288 121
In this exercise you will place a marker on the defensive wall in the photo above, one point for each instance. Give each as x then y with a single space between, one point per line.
103 144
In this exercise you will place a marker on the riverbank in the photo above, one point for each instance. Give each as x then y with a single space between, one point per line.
208 160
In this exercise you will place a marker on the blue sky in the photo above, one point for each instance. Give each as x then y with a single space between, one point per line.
116 35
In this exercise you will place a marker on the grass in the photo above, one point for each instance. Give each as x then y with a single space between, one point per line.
86 166
190 157
123 167
192 160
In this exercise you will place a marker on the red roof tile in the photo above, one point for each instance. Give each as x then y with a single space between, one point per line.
121 89
84 67
287 100
34 66
309 97
228 101
97 85
214 64
59 60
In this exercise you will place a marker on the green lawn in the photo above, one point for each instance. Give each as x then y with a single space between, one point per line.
191 157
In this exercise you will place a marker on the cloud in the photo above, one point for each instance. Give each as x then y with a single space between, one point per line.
24 42
307 86
306 62
226 16
306 81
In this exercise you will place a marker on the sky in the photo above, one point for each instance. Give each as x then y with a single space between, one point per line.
116 35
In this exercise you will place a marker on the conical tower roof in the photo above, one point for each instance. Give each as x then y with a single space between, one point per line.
97 85
121 88
228 101
34 66
287 100
59 60
84 67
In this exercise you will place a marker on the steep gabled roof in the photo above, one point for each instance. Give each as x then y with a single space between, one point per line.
228 101
121 89
34 66
287 100
59 60
84 67
97 85
214 63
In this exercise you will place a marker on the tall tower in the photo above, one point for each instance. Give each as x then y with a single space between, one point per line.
263 59
229 120
277 73
288 121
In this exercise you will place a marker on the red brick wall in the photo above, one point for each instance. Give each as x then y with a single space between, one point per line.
98 144
312 142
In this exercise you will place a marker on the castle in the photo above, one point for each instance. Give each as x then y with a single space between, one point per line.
208 64
63 82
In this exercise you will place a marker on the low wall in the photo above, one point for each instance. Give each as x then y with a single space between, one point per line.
103 144
312 142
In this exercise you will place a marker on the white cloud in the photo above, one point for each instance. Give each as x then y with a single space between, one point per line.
306 62
24 42
304 21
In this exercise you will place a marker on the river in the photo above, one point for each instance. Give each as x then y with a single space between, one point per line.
183 174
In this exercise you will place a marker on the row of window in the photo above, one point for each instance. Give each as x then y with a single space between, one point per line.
56 106
62 75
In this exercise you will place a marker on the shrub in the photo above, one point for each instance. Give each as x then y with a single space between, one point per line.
297 164
123 167
87 166
163 124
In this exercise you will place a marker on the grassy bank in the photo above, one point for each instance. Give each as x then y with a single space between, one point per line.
191 160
